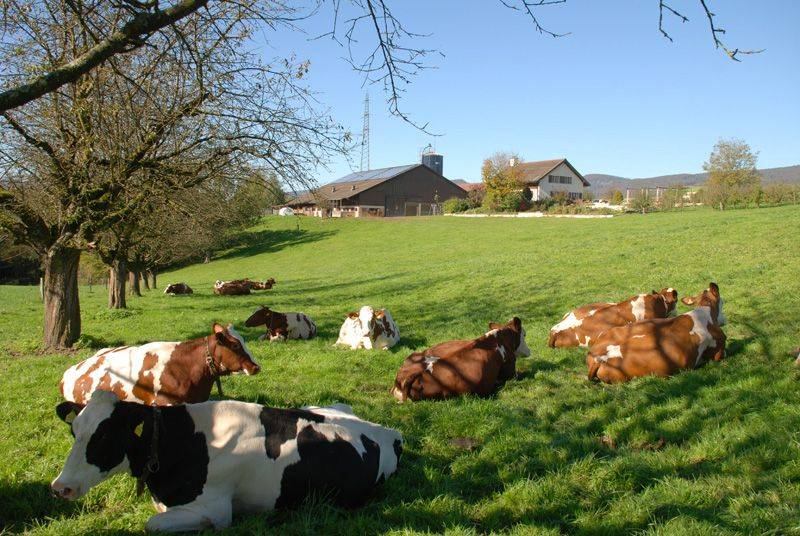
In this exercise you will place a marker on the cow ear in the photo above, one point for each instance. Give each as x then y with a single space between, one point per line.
674 294
352 314
494 325
689 300
653 291
67 411
217 328
517 323
714 289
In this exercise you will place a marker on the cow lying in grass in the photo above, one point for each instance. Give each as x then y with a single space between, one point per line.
178 289
368 329
456 368
661 347
282 326
241 287
207 461
582 325
161 372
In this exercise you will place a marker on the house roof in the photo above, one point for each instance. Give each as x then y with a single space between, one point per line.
533 172
352 184
470 186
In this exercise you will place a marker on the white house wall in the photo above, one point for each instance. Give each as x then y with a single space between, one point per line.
546 188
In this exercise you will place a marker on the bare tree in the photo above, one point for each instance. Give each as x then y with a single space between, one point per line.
81 165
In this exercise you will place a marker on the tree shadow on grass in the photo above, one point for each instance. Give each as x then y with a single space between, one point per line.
270 241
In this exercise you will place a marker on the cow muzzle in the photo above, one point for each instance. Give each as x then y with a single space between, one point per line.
65 491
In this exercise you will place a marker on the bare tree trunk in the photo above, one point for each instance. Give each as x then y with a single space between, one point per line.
117 274
146 279
135 288
154 283
62 313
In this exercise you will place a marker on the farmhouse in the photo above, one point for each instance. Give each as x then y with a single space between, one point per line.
544 179
410 190
548 177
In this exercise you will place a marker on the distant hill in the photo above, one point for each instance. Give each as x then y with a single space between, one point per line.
602 183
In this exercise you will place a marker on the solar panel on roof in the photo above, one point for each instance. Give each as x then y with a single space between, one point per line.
374 174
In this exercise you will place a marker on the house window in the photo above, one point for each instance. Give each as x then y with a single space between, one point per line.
559 179
575 195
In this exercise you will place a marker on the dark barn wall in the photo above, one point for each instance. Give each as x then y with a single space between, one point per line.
418 185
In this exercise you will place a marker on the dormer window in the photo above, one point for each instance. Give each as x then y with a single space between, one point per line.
353 187
333 188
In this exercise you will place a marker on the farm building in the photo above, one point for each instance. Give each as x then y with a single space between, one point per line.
547 177
544 178
410 190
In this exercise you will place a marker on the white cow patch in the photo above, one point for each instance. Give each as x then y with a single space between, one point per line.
360 332
429 361
571 321
638 307
701 318
613 351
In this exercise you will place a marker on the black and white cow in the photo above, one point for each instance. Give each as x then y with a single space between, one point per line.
216 458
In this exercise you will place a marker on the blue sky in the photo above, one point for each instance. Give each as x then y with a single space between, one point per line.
614 96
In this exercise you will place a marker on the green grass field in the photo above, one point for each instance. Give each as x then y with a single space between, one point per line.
711 451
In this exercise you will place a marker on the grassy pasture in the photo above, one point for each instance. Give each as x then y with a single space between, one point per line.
712 451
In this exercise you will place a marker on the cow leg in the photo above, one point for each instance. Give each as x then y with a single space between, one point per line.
609 374
193 516
367 343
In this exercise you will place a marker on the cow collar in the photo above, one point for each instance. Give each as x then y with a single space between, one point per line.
214 368
152 465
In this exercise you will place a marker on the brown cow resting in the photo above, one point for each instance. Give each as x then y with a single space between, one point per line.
161 372
661 347
282 326
240 287
456 368
581 326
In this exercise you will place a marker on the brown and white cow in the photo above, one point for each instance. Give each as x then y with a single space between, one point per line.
282 326
178 288
456 368
581 326
369 329
239 287
661 347
161 372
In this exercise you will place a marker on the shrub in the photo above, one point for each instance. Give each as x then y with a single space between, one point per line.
455 204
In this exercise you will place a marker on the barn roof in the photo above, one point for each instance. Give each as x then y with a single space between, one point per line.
351 184
533 172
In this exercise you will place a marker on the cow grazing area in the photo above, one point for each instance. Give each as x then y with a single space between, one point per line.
710 451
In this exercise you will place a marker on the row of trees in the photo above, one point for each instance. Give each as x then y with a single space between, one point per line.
148 158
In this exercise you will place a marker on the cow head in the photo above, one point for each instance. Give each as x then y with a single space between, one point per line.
232 353
670 297
103 435
261 317
366 317
796 353
710 298
515 335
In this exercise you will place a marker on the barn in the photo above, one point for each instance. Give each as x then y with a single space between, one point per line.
410 190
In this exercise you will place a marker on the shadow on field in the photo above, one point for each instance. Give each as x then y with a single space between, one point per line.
23 504
270 241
